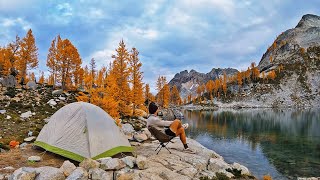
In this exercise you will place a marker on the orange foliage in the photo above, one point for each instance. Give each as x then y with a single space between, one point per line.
302 51
270 58
272 75
5 63
267 177
239 78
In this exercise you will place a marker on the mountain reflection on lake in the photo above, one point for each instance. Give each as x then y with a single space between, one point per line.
283 143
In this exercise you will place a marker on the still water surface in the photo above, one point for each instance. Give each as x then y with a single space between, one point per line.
282 143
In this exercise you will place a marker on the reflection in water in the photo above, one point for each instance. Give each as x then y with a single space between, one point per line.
268 141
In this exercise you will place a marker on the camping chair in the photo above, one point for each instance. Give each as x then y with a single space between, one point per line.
161 137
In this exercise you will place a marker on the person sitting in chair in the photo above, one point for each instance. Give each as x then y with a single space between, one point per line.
171 128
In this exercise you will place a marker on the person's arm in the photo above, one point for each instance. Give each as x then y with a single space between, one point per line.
158 122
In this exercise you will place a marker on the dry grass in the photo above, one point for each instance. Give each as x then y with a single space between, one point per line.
19 158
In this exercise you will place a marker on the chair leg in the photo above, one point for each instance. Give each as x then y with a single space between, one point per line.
159 150
167 149
158 146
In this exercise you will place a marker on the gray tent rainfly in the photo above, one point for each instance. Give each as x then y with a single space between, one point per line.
82 130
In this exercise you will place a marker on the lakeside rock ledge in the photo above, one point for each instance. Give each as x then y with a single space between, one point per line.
146 164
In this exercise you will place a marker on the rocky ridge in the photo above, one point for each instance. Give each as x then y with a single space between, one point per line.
187 82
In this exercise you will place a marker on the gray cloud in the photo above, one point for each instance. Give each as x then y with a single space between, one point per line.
171 35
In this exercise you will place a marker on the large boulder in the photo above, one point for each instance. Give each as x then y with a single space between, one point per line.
89 164
31 85
217 165
67 168
129 161
244 170
127 129
146 132
25 173
9 81
78 174
111 163
97 174
49 173
140 137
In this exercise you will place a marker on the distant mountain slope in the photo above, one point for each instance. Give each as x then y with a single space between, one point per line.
187 82
286 48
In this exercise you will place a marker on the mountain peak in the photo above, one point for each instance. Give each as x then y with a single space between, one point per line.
309 20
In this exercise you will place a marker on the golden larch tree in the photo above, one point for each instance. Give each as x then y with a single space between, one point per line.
41 78
209 88
136 80
92 70
175 96
166 95
52 63
120 71
161 81
28 54
239 79
224 83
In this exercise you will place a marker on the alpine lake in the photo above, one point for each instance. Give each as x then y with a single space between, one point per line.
282 143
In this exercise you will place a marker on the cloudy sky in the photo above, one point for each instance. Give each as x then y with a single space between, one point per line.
171 35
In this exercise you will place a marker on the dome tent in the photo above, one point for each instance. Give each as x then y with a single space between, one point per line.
82 130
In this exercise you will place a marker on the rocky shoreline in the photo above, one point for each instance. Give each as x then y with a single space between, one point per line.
144 163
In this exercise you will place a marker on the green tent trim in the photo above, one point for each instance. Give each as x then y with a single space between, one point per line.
80 158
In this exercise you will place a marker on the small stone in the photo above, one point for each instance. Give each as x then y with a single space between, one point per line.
133 143
8 117
30 139
57 92
34 158
98 174
141 162
89 164
67 168
23 145
26 114
124 171
62 98
140 137
78 174
111 163
3 111
51 102
9 168
129 161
